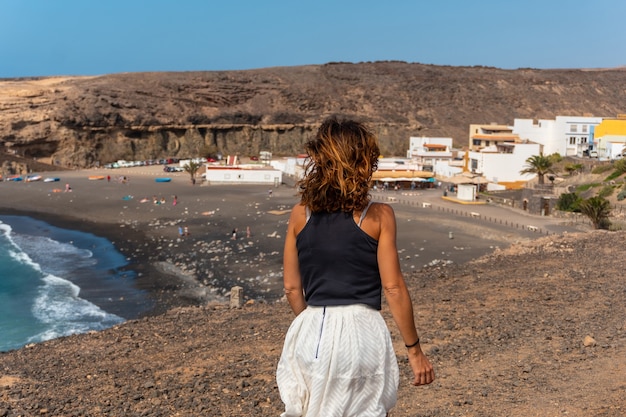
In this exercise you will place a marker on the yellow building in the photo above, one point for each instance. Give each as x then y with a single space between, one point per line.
609 137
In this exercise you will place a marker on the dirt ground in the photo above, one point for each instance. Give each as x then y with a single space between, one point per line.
538 329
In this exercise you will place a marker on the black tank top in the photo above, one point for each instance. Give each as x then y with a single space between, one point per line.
338 261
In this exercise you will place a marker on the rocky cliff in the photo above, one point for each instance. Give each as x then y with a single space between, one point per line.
83 121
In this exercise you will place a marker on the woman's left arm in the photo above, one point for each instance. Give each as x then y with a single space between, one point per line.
398 297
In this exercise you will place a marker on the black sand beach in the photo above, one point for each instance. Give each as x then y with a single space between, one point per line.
534 327
202 266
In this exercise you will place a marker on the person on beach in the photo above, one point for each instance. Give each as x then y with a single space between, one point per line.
340 255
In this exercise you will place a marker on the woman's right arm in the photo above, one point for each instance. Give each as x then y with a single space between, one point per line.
291 268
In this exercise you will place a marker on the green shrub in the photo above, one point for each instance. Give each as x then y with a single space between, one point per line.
555 158
619 167
569 202
574 168
585 187
598 210
606 191
613 175
621 195
601 169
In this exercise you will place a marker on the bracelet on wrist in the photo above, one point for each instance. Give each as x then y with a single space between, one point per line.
414 344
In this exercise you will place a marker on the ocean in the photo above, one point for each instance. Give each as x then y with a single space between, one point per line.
55 282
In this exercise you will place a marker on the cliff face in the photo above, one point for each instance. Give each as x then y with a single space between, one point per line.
81 121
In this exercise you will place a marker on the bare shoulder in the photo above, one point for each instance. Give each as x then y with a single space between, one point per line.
298 207
380 216
381 210
297 219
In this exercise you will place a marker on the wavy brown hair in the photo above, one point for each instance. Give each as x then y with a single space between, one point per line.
342 157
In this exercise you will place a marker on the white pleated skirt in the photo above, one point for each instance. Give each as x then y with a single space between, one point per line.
338 361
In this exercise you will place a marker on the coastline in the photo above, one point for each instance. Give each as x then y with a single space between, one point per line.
175 271
497 322
158 285
200 269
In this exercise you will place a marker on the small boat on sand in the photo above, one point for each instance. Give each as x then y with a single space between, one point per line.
51 179
31 178
163 179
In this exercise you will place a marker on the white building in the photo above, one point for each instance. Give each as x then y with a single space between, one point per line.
610 146
503 162
566 135
243 174
427 152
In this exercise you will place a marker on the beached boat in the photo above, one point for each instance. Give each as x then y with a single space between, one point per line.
51 179
96 177
31 178
14 178
163 179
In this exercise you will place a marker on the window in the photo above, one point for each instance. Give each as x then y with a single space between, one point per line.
584 128
573 128
572 140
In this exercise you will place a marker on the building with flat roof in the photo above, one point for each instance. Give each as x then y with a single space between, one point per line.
428 152
485 135
243 174
610 137
565 135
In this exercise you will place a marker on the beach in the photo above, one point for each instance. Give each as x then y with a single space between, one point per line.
517 321
144 218
176 270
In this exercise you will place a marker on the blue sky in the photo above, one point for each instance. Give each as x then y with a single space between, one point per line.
91 37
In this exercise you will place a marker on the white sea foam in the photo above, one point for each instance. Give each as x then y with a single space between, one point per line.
56 308
54 257
59 306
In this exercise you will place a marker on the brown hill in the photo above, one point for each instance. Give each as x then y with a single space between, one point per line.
82 121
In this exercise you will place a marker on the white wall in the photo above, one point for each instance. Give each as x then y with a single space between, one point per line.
444 169
505 167
542 132
466 192
244 176
556 135
416 145
613 149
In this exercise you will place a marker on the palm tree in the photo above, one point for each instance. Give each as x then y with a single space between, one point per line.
540 165
574 168
192 168
598 210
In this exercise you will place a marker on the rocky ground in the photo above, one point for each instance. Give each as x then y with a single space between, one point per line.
537 329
